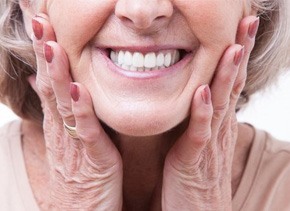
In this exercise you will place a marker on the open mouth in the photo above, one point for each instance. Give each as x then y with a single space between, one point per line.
144 62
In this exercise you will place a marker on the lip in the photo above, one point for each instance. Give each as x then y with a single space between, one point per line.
146 74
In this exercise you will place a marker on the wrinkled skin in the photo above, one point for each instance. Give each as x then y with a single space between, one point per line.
88 172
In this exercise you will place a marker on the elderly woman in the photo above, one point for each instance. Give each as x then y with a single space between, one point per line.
131 104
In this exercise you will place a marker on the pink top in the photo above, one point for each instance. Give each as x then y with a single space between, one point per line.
265 184
15 191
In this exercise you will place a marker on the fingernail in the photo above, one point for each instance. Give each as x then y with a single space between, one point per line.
48 53
206 95
74 92
253 28
238 56
37 29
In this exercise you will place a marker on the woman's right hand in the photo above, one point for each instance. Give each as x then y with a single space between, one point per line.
85 172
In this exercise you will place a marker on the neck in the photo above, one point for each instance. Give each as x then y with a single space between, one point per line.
143 161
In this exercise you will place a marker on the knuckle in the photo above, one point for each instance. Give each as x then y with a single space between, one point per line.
45 89
220 110
81 114
90 134
65 110
238 87
204 117
227 77
200 137
88 137
56 77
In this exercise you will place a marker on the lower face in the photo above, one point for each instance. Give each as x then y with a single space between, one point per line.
144 92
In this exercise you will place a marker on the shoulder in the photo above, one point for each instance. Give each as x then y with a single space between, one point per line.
266 177
274 154
15 190
277 147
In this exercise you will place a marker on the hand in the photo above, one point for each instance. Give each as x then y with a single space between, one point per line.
197 171
85 172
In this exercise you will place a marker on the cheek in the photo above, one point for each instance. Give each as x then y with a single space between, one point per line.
214 23
76 23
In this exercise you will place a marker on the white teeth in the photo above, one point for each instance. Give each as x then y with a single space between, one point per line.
133 68
167 60
160 60
126 67
128 58
150 60
121 57
176 57
136 61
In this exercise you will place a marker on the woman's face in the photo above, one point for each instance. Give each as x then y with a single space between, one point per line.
142 60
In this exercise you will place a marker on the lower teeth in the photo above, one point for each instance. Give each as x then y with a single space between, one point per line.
139 69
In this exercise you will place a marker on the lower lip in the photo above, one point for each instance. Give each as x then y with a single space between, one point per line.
146 74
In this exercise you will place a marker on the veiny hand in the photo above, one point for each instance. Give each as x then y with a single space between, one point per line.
197 171
86 172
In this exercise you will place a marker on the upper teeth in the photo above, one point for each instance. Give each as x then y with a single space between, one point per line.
137 61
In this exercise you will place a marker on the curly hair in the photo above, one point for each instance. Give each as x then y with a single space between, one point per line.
269 57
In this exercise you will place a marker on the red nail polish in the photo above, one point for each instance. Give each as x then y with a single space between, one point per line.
37 29
206 95
48 53
238 56
74 92
253 28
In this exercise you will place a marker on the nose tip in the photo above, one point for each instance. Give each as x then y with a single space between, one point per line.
142 14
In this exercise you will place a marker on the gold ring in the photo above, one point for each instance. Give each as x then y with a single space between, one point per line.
72 132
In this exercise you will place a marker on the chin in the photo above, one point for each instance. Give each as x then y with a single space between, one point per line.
142 124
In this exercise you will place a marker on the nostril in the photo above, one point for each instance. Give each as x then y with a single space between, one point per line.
125 19
160 17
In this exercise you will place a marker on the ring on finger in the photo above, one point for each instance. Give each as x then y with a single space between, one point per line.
72 132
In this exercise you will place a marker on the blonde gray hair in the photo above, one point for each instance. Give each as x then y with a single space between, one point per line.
270 56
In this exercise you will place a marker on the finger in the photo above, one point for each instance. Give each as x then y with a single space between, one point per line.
246 36
58 71
43 32
98 146
223 82
197 136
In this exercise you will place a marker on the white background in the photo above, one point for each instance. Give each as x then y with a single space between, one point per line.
269 110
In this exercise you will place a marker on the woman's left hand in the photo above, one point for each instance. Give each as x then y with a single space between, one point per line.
197 171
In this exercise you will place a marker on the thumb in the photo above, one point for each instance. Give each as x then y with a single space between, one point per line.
98 146
188 148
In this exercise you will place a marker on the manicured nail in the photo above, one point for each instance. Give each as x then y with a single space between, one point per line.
74 92
206 95
48 53
37 29
253 28
238 56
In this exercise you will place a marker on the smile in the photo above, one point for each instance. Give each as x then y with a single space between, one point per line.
144 62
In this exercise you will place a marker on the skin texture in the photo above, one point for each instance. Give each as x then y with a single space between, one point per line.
144 171
161 103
